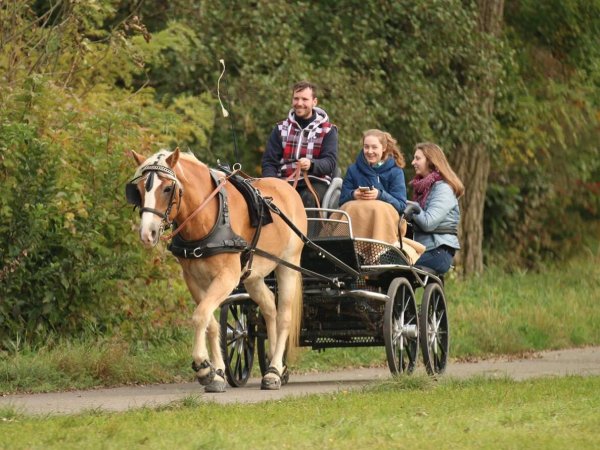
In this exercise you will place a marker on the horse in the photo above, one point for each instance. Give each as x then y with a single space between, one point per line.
174 188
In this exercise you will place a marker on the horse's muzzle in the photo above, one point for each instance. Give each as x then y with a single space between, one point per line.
150 233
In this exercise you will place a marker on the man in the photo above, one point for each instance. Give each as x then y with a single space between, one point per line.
306 139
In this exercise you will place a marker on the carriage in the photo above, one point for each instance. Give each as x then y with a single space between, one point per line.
298 277
357 292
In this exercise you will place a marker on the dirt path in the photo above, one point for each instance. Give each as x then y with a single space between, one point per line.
585 361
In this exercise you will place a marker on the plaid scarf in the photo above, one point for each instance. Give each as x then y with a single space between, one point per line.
422 186
302 143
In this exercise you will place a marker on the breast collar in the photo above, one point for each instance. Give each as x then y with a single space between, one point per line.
220 239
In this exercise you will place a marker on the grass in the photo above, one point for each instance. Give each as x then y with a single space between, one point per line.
407 412
496 313
510 314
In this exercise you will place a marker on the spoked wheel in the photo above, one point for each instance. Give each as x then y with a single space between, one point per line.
400 327
238 339
434 335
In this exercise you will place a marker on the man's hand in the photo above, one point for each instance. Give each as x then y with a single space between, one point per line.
304 163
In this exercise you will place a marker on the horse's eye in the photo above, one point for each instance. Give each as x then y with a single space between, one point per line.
168 189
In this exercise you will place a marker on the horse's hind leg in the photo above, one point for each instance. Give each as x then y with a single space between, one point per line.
264 298
288 316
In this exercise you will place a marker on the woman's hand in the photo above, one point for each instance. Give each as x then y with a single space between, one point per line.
366 195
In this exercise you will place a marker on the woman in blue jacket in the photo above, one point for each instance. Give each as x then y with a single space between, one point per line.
437 189
374 189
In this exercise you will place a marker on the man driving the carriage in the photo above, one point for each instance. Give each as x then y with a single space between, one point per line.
306 141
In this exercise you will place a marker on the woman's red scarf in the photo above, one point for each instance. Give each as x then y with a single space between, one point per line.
422 186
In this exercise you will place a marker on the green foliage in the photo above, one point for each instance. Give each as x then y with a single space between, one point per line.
543 183
403 67
82 82
568 29
70 251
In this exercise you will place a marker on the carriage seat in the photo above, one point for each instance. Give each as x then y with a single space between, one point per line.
331 199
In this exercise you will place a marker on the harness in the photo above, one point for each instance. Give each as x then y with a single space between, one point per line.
220 239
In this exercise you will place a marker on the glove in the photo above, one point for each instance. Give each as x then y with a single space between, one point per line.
411 209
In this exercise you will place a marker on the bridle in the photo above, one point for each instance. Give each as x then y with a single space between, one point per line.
133 195
148 173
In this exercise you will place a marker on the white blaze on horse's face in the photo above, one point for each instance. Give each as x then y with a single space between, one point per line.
150 223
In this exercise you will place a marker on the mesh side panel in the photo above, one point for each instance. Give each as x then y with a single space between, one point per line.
341 318
322 228
324 223
375 252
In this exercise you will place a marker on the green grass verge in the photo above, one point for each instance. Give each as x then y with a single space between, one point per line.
496 313
408 412
510 314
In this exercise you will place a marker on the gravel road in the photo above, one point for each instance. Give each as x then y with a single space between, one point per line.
582 361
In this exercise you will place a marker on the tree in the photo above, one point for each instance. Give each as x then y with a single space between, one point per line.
471 158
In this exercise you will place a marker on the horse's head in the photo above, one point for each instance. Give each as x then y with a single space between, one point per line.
155 190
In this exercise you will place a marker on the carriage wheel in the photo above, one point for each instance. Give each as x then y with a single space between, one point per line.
400 327
238 338
434 335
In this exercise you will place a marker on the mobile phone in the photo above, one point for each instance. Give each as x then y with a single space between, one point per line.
364 188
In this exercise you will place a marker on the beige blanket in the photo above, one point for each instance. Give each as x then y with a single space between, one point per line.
412 249
374 219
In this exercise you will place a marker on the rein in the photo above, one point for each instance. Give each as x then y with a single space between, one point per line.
296 176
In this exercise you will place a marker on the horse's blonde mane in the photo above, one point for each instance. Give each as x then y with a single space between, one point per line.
188 156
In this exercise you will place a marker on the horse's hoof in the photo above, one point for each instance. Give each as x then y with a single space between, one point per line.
215 386
271 383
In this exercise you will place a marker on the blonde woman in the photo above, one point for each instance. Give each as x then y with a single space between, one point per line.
374 188
436 188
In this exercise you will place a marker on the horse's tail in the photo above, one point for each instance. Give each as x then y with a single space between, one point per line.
296 317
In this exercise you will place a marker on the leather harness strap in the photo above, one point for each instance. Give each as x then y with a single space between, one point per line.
220 183
296 176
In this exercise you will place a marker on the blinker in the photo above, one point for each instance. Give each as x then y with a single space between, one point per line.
133 195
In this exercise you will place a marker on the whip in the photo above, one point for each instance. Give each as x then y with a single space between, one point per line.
226 113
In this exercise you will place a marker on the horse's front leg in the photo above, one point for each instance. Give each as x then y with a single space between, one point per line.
201 363
206 326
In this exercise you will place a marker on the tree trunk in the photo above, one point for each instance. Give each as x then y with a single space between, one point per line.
471 160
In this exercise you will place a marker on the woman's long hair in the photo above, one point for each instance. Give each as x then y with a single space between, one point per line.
389 144
437 161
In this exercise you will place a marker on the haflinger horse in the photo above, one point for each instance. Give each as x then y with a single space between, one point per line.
175 188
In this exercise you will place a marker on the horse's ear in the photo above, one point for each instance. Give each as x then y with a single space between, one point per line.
173 158
138 158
